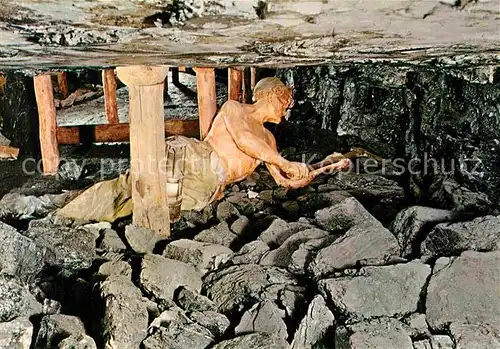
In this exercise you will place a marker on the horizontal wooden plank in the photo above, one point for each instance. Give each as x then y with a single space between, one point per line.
7 152
120 132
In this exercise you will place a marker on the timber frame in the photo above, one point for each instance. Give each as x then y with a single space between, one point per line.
147 87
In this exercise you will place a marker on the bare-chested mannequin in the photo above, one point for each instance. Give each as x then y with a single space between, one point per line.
236 144
242 142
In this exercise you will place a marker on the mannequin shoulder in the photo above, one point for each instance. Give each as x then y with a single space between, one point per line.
231 107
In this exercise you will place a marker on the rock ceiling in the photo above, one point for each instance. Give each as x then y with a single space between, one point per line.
44 34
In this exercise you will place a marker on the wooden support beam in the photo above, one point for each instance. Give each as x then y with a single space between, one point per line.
109 85
7 152
207 99
235 80
47 123
147 146
62 81
253 77
247 89
120 132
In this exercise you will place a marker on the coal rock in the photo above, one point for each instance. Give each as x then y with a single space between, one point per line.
281 257
115 268
161 277
218 324
16 334
381 196
251 253
111 241
465 291
371 244
290 206
218 235
266 195
19 206
20 256
442 341
125 320
178 337
475 336
80 341
378 291
51 306
198 217
293 299
245 205
96 228
351 180
236 287
264 317
16 300
142 240
409 225
73 248
422 344
418 325
19 113
280 230
316 330
480 234
409 113
313 202
449 194
437 341
203 256
71 170
254 341
173 329
240 225
226 211
382 333
341 217
55 328
192 301
305 254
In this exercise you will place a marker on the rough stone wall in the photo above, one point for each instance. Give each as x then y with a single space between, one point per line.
409 112
18 113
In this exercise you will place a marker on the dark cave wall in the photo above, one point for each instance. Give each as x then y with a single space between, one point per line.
414 113
19 114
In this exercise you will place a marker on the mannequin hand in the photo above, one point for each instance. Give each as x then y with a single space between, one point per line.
296 170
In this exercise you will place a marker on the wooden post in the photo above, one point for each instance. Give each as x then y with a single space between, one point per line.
109 85
147 146
253 77
207 99
235 80
7 152
47 123
63 84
